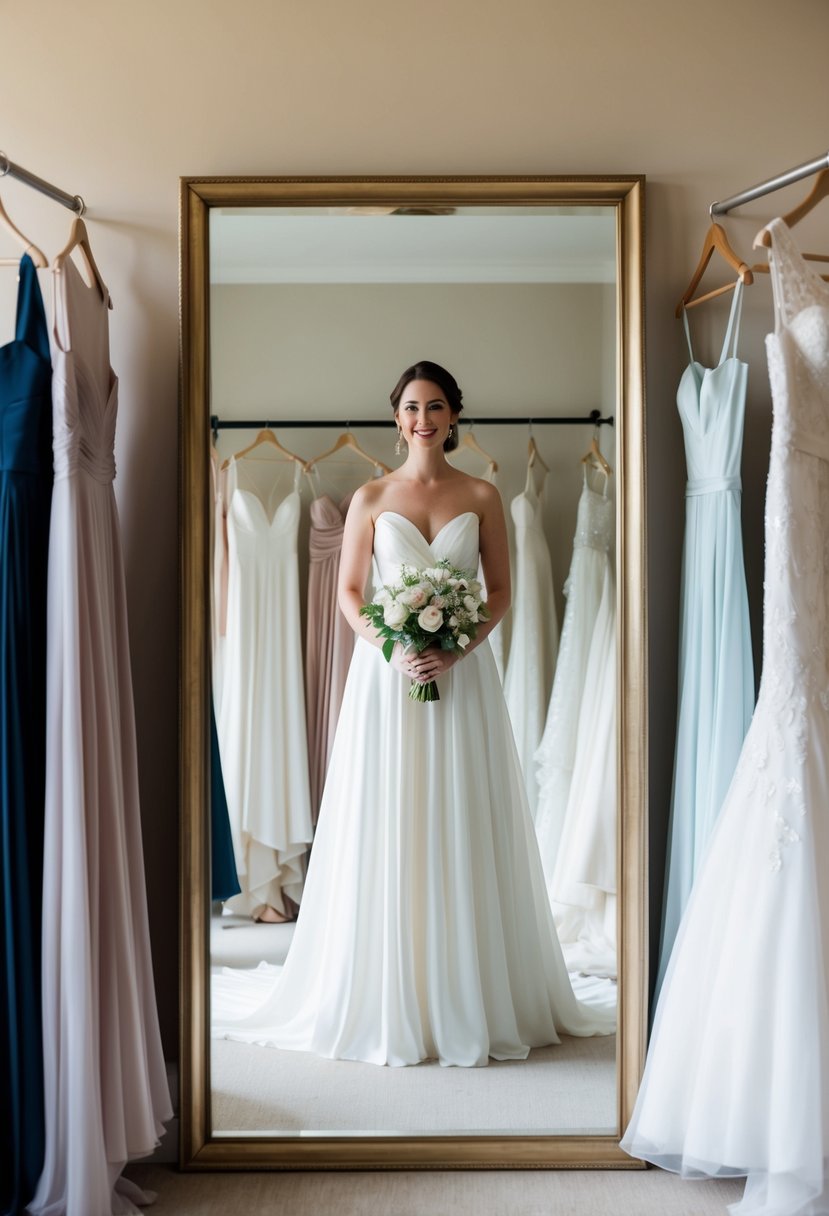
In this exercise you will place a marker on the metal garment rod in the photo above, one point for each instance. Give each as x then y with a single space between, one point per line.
774 183
73 201
235 424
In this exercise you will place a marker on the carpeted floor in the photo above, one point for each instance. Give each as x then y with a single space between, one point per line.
557 1089
566 1088
459 1193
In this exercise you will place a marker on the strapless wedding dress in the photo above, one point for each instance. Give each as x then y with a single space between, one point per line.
425 931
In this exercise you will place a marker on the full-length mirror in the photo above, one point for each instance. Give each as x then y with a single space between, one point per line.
412 930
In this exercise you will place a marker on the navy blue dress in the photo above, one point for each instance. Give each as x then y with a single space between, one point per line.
25 496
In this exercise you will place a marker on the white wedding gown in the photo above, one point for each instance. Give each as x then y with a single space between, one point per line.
737 1077
583 884
532 657
261 706
588 586
424 931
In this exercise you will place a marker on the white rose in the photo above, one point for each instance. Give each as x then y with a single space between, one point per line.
454 622
383 597
430 619
463 640
394 614
415 596
470 603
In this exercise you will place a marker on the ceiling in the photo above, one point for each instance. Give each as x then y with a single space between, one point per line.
480 245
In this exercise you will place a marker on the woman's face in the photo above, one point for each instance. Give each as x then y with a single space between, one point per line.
424 415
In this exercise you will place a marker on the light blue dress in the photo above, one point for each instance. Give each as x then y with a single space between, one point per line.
716 675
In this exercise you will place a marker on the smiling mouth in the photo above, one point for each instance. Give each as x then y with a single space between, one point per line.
431 431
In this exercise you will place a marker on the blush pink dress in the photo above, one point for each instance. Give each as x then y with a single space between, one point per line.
329 641
106 1094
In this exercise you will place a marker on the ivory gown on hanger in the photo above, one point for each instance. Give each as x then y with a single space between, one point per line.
583 882
556 754
737 1075
424 931
716 671
106 1095
534 647
261 718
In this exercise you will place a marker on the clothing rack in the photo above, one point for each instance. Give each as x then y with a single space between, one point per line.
773 183
594 418
73 201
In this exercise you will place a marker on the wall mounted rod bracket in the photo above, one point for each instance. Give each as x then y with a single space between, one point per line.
773 183
73 201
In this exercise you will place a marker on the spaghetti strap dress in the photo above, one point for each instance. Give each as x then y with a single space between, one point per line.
105 1083
531 665
716 672
25 492
737 1076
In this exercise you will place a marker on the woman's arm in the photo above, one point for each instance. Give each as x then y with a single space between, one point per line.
355 564
492 541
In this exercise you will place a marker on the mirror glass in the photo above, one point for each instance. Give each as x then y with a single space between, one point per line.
314 314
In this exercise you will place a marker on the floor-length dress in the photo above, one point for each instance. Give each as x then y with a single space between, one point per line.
25 492
224 881
592 545
583 884
106 1094
329 638
424 930
716 672
737 1076
531 665
261 718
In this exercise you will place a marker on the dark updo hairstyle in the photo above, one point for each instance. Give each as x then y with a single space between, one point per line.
426 370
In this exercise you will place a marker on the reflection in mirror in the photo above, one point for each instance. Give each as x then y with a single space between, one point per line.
416 870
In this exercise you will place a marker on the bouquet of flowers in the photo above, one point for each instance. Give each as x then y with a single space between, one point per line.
437 606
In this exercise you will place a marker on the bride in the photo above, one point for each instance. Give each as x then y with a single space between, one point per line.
424 930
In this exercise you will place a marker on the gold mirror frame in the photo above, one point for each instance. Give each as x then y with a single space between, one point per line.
199 1148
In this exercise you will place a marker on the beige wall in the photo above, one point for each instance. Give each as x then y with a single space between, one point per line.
336 351
116 100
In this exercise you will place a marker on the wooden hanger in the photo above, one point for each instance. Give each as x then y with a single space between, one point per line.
79 239
37 255
265 436
469 441
715 241
534 457
817 194
347 440
593 457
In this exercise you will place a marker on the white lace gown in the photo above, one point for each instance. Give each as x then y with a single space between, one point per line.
532 656
737 1076
583 884
586 583
261 713
424 931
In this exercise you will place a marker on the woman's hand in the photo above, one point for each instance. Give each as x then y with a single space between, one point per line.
430 664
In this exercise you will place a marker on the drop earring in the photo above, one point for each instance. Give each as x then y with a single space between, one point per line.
398 447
